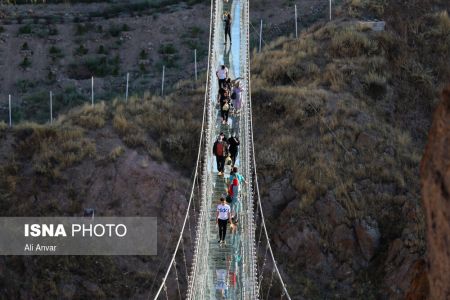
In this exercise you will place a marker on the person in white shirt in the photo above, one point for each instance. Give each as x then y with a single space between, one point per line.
222 75
223 217
227 169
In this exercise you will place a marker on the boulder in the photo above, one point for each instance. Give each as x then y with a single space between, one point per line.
344 240
344 271
365 141
281 192
330 210
304 244
93 289
368 238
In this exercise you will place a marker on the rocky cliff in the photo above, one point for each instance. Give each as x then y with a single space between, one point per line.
435 180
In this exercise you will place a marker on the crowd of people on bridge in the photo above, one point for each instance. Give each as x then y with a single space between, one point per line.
226 150
229 98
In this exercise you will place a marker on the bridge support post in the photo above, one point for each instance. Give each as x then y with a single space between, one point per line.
260 35
330 9
51 107
296 32
10 119
92 91
162 81
126 89
195 63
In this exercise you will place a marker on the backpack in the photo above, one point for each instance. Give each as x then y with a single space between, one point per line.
219 149
233 95
230 191
226 107
234 176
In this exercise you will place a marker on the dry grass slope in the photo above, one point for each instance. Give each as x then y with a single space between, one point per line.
331 116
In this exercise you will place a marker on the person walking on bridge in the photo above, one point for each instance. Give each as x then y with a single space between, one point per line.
223 218
228 28
222 75
236 97
235 174
233 143
220 149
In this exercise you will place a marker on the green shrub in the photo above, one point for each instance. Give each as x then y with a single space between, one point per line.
26 29
99 66
102 50
24 85
115 30
80 50
55 52
35 107
67 99
25 46
169 55
81 29
193 32
26 63
52 30
143 54
51 76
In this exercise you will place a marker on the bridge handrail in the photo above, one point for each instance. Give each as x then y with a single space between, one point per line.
263 223
172 261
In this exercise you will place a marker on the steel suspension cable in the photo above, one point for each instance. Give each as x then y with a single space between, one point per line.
176 278
184 260
257 187
206 118
193 184
166 247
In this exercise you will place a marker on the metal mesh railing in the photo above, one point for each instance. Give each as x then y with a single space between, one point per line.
200 279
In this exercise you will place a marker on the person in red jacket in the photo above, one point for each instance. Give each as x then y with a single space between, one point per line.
220 151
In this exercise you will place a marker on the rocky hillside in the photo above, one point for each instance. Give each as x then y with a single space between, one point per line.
59 45
341 118
121 160
436 198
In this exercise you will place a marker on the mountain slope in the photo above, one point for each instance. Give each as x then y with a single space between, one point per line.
338 143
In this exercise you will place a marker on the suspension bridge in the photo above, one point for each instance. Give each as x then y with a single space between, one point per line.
244 268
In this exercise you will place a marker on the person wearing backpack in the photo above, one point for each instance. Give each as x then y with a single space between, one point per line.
220 152
228 167
227 85
233 143
233 192
225 110
224 96
235 174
